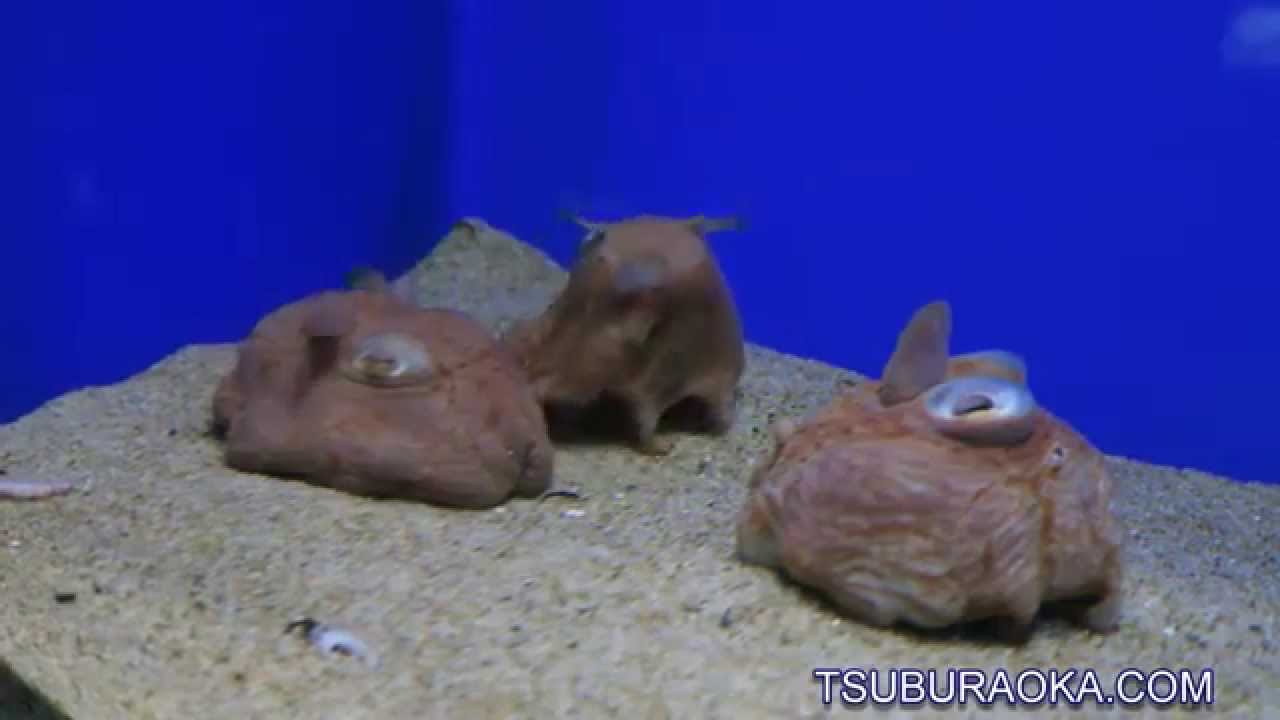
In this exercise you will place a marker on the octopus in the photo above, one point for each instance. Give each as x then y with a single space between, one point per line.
645 323
363 392
941 494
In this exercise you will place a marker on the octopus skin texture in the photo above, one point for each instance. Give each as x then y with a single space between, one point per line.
644 323
939 495
368 394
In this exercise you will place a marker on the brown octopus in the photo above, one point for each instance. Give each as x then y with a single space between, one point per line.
941 494
369 394
645 322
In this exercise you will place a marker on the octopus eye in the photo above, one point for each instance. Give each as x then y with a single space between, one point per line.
389 360
984 410
974 403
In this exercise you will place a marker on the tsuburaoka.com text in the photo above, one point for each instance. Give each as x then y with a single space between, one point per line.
856 686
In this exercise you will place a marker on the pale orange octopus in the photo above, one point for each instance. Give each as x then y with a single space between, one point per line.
942 493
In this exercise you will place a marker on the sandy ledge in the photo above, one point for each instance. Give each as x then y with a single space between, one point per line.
185 573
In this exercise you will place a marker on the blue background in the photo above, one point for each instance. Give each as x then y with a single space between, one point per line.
1085 182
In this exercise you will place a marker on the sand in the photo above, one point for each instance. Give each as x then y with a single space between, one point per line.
625 602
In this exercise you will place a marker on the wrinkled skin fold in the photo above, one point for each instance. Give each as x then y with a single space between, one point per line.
365 393
949 497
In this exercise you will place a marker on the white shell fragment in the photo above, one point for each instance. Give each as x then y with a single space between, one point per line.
333 641
16 488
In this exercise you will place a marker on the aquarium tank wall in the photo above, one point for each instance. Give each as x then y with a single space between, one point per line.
1091 186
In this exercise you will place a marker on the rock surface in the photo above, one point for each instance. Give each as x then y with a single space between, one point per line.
624 602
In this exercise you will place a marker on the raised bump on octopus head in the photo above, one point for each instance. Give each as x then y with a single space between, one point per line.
1010 361
982 409
389 359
